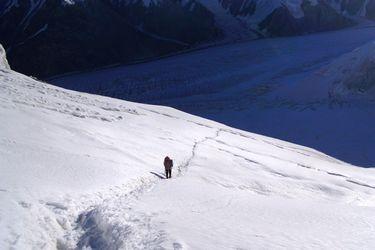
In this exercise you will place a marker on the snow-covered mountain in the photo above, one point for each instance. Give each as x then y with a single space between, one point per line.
284 17
254 18
71 35
85 171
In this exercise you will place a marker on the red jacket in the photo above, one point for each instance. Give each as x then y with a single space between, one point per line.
168 163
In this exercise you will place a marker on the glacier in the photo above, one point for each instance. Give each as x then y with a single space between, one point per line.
280 87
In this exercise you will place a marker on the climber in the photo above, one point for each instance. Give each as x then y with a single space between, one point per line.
168 165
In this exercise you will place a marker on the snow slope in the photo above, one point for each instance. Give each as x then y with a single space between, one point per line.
265 86
80 170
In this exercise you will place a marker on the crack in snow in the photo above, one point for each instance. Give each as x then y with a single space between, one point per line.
193 151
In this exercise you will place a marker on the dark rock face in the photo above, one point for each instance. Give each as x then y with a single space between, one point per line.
370 10
239 7
352 7
187 23
320 17
323 17
51 37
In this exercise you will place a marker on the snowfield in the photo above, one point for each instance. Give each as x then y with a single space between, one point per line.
85 171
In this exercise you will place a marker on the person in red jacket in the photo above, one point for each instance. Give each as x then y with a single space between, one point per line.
168 165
